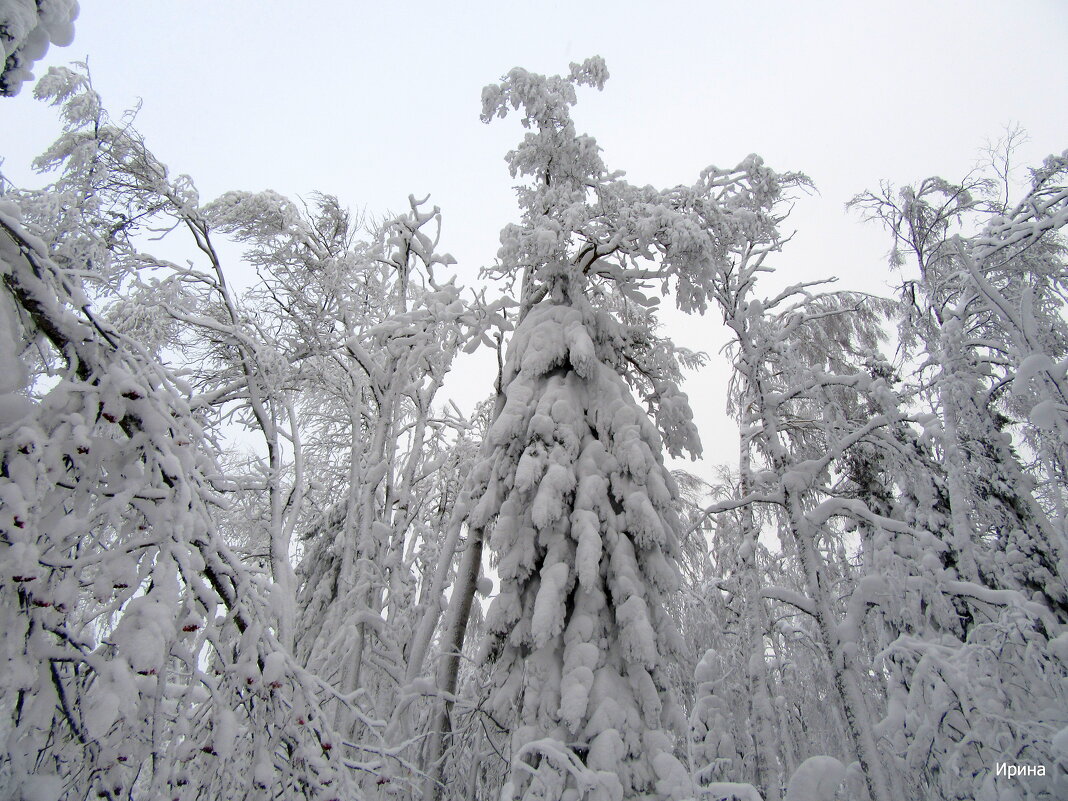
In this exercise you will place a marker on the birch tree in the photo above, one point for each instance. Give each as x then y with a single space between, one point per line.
143 654
994 596
260 361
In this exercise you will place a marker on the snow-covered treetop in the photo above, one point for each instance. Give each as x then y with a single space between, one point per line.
583 224
589 239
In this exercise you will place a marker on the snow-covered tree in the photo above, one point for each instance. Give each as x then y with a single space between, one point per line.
340 340
572 491
974 607
142 655
985 311
727 612
370 563
242 530
796 360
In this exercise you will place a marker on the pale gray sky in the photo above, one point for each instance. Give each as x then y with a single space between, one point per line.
373 101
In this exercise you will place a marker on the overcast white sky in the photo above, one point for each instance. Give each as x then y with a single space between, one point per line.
373 101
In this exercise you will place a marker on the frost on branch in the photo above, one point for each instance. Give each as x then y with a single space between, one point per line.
138 660
359 603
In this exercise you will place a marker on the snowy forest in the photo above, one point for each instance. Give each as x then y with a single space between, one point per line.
251 548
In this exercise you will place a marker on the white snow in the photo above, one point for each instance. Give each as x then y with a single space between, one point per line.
815 779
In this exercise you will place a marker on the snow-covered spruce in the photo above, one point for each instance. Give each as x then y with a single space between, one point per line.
585 538
572 493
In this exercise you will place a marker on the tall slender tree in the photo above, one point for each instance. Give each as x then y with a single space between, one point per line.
572 490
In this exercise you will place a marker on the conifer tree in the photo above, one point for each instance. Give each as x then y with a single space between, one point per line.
580 511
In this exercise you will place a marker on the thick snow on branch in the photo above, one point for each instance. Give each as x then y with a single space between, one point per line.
139 646
27 27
